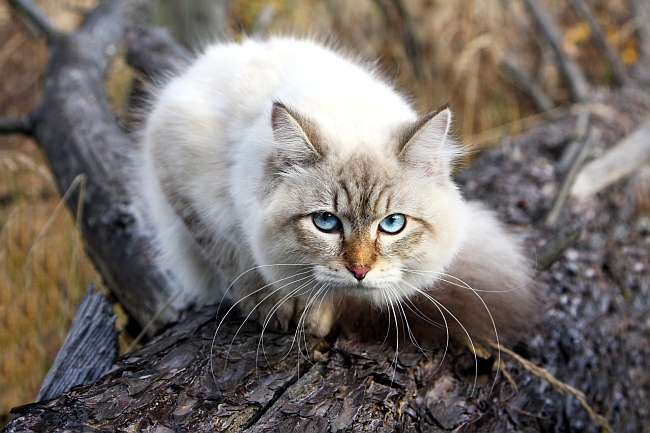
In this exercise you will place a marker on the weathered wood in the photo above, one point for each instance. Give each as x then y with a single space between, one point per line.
76 129
180 381
89 350
630 154
153 52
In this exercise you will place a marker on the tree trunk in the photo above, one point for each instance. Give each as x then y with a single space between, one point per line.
594 335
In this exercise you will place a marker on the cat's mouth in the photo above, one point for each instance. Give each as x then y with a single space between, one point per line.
363 286
344 282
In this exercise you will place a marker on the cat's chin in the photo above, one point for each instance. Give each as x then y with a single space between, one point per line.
378 293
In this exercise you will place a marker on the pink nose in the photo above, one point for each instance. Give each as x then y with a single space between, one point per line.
359 271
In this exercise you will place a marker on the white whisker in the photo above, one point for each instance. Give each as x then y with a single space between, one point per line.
464 285
436 302
249 314
446 328
409 331
276 307
395 357
300 329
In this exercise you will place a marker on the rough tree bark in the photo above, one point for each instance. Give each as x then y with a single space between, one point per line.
594 337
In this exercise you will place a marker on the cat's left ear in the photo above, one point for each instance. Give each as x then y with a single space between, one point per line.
294 136
426 145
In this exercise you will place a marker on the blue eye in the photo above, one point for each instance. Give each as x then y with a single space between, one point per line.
326 221
392 224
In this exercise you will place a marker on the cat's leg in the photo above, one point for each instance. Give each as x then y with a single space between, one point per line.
280 309
318 316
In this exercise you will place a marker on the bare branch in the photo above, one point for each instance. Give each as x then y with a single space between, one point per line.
571 71
641 10
587 143
628 155
571 150
35 16
153 52
77 130
614 59
554 247
527 84
17 125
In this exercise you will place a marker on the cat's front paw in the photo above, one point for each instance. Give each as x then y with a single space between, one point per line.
278 313
319 318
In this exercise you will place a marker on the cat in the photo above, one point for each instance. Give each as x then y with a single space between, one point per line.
289 178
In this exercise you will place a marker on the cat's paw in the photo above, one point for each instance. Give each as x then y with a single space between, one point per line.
277 313
319 319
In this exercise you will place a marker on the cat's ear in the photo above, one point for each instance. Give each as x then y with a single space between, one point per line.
294 136
426 145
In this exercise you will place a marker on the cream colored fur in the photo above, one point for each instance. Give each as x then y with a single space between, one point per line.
246 145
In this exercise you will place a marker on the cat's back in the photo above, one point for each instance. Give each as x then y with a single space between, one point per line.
248 73
238 81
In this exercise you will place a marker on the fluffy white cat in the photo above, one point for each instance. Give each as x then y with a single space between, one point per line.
282 175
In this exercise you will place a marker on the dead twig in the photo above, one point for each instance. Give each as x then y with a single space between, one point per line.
599 37
554 247
571 150
523 80
571 71
559 386
586 145
17 125
27 9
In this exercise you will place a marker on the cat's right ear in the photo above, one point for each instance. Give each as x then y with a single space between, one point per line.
294 137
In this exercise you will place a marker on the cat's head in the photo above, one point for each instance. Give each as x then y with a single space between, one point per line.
377 221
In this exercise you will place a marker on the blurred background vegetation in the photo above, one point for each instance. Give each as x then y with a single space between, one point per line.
436 51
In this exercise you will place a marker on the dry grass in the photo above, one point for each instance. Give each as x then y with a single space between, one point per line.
43 273
460 45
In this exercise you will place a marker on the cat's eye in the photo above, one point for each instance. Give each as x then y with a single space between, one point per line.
326 221
392 224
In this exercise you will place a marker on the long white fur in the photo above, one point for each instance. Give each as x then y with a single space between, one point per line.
209 132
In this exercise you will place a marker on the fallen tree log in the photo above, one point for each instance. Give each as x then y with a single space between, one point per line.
89 350
188 378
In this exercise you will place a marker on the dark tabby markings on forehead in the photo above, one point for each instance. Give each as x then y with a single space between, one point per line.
335 201
365 187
